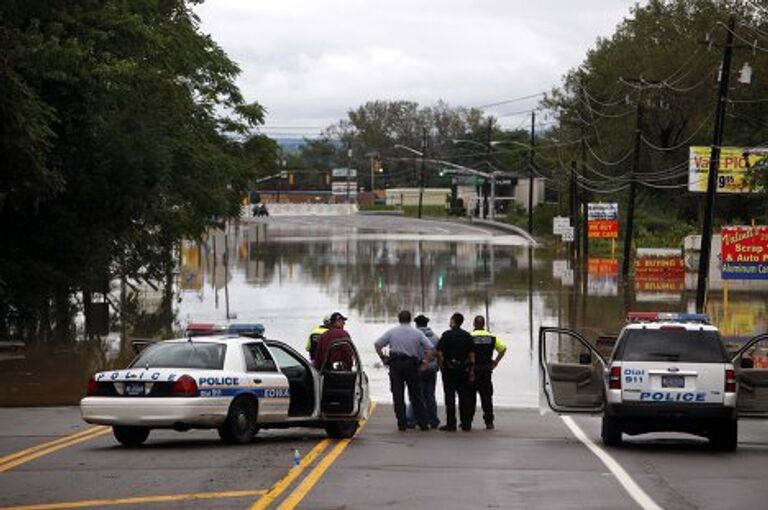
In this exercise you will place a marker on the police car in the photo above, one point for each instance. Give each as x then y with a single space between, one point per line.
232 383
665 372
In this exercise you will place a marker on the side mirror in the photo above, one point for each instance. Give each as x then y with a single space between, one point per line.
746 363
585 358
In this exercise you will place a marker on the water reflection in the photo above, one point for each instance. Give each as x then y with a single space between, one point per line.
289 274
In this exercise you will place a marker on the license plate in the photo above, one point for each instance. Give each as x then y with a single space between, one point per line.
672 381
134 389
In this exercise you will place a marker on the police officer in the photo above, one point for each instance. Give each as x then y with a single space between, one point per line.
409 354
485 344
456 357
315 335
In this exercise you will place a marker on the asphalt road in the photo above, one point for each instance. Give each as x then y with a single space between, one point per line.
529 461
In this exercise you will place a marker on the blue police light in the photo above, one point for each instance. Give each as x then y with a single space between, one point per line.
255 328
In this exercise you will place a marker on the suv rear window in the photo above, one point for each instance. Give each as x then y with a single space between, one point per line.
182 355
671 345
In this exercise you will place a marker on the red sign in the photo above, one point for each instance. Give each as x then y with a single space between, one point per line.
603 229
745 252
603 267
660 274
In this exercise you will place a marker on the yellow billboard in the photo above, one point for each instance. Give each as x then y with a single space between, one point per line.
731 173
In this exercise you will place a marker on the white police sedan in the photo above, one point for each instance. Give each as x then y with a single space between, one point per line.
235 384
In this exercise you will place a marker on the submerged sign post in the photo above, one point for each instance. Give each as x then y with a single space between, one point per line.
744 253
603 220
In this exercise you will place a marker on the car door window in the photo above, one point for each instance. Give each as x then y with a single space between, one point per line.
751 365
257 358
573 371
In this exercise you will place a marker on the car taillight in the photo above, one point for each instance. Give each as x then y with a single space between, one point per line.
185 386
93 387
614 378
730 381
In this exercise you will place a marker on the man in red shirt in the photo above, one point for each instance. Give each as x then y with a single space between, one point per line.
339 357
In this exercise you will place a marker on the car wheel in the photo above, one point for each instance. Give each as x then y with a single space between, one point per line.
130 436
341 429
725 436
240 425
611 431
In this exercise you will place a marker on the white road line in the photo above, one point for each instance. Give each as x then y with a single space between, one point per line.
639 495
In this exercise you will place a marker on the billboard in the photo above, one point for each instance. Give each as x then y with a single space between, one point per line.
744 253
341 187
603 220
731 173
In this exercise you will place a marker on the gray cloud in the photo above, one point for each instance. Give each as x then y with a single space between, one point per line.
309 61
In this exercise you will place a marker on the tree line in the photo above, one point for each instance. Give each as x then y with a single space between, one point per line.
121 132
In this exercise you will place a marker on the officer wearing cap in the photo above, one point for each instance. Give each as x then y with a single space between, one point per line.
485 344
456 357
315 335
409 353
338 357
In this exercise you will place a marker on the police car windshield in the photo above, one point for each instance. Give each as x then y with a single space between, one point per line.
678 345
182 355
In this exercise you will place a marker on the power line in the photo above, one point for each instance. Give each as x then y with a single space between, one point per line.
508 101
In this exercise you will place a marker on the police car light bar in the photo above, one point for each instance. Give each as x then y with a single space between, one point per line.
701 318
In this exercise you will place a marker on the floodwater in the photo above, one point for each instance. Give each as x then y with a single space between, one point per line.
289 272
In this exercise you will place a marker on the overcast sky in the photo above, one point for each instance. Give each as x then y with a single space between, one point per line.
310 61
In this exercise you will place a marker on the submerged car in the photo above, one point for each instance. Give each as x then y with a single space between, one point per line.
232 383
666 372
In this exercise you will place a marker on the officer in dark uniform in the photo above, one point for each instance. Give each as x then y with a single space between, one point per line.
456 357
485 344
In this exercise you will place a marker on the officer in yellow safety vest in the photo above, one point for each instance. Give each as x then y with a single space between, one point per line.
315 335
485 344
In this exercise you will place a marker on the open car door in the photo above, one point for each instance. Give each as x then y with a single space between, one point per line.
572 371
751 366
344 386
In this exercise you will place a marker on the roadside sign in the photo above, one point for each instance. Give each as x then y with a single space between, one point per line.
603 220
659 271
340 188
284 174
568 235
731 172
560 224
342 173
744 253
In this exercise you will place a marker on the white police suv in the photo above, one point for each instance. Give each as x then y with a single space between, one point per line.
232 383
666 372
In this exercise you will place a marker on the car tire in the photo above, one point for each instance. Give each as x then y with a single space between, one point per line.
240 425
611 431
130 436
725 436
341 429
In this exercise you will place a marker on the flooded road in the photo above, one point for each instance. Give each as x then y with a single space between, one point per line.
290 272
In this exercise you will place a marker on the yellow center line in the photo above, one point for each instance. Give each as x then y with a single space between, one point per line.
88 431
138 500
53 446
288 479
314 476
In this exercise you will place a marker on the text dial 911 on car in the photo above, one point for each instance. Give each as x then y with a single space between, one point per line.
665 372
235 384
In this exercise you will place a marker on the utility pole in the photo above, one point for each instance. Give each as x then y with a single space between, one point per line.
629 230
421 169
530 170
574 211
492 204
714 164
349 168
585 202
